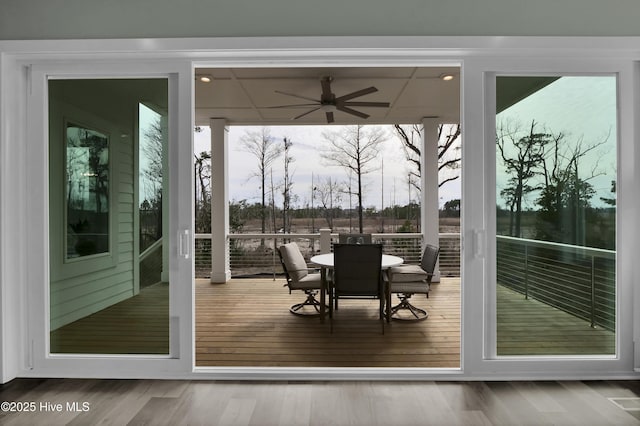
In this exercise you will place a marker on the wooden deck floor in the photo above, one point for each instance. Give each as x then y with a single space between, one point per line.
530 327
138 325
246 322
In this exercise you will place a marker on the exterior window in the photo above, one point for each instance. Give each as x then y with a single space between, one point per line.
87 191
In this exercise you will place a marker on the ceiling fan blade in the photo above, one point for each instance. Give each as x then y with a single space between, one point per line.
326 86
356 94
296 96
305 113
351 111
367 104
292 106
329 117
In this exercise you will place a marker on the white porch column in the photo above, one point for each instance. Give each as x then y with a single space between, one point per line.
429 217
220 269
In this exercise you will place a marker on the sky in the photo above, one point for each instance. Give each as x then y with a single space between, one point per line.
582 107
307 143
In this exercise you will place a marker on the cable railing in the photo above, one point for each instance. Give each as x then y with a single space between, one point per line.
255 254
578 280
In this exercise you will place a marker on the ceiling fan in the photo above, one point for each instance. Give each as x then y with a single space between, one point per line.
329 102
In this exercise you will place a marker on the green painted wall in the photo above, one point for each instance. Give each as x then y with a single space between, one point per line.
51 19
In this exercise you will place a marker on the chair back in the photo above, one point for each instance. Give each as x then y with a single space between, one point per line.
293 263
429 259
355 239
357 270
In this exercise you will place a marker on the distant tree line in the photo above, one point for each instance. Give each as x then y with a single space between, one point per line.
355 149
241 213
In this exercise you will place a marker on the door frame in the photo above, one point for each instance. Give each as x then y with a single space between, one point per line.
484 358
39 361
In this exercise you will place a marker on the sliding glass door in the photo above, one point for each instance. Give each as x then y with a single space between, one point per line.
108 186
556 201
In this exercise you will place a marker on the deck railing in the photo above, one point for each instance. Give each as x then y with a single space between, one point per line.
254 254
577 280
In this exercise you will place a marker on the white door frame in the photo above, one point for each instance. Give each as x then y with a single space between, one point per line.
39 362
481 335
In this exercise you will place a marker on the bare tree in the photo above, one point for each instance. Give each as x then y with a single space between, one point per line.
152 149
448 151
261 145
287 185
566 190
329 193
354 148
521 156
153 152
202 166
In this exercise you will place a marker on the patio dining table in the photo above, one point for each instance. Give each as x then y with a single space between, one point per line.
326 262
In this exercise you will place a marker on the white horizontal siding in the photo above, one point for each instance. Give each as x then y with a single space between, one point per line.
80 295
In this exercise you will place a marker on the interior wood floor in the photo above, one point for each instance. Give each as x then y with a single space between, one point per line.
167 402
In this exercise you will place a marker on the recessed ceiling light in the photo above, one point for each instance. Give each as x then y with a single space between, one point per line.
447 77
204 79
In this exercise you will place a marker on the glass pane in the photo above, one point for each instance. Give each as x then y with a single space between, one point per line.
556 215
109 290
150 178
87 180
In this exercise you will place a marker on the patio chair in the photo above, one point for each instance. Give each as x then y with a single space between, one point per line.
355 238
299 278
357 274
348 238
407 280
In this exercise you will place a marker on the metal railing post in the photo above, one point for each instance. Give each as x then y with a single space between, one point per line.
593 291
273 258
526 271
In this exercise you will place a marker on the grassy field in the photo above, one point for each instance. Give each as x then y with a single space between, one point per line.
371 225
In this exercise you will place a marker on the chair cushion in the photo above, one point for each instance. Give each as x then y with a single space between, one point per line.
421 287
309 282
294 261
407 273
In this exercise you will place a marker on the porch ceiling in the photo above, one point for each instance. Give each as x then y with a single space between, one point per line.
245 96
